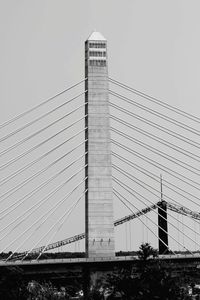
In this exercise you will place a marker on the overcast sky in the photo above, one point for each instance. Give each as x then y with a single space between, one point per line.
153 46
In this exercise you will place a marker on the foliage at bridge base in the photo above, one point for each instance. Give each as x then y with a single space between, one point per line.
12 284
152 283
149 280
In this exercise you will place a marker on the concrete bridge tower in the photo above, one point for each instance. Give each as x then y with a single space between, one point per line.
99 227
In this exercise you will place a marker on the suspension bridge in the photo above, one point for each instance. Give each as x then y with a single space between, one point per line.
91 156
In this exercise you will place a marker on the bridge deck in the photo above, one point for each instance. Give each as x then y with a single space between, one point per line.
95 260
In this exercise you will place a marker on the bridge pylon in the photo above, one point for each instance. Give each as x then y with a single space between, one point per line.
162 228
99 225
162 223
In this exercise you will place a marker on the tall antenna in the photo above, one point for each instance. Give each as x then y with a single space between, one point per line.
161 188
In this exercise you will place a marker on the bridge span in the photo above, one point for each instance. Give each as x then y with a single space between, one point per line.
98 263
97 260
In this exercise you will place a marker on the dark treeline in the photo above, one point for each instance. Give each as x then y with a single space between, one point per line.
47 255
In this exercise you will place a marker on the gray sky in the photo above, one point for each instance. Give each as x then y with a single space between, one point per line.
153 46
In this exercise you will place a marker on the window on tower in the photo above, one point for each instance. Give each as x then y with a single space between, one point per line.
97 53
97 45
98 63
